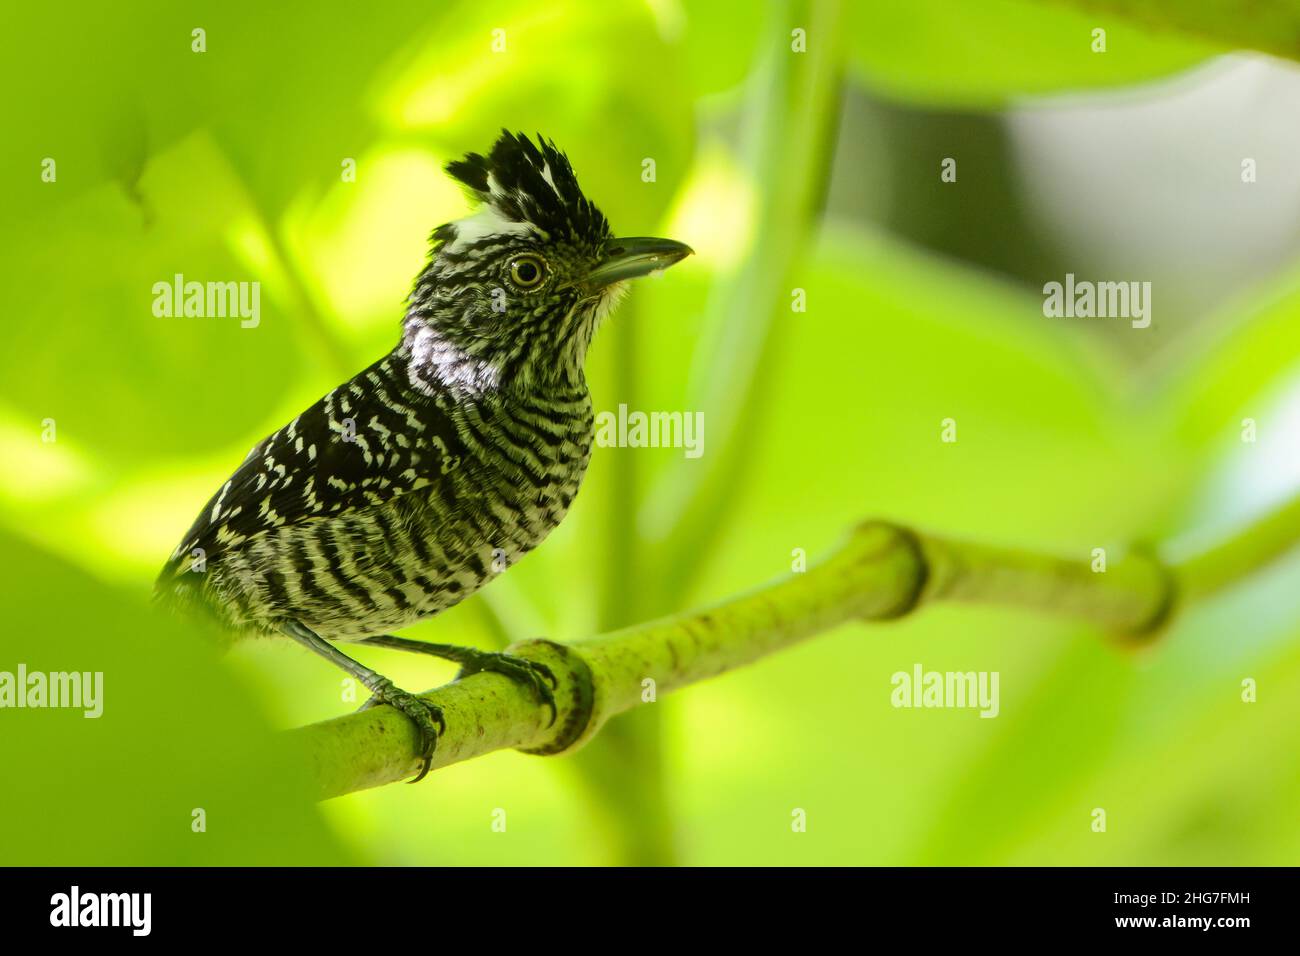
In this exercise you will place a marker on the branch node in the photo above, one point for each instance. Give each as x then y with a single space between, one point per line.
1165 608
919 576
574 693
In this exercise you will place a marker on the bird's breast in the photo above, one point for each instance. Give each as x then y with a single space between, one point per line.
520 466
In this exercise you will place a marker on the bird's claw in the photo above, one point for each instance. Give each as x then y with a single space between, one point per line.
426 715
531 673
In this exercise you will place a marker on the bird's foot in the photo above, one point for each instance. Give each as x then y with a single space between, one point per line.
519 669
426 715
473 661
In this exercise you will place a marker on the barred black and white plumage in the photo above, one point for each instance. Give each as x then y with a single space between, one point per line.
405 489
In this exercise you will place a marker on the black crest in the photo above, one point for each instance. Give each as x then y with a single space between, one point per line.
531 183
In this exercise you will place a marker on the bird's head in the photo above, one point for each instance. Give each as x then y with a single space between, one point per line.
513 292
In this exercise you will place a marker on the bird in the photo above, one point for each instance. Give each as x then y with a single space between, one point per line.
410 486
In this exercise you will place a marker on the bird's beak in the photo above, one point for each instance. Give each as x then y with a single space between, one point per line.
632 258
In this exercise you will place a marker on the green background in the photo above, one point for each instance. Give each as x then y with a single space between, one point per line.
815 170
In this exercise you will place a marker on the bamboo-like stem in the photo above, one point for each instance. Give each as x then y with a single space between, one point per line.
787 146
883 571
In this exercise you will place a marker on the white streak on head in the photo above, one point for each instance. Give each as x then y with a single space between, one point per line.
488 222
546 175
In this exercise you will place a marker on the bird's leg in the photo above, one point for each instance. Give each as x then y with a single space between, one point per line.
471 661
426 715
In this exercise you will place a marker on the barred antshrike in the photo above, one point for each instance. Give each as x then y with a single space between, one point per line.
405 489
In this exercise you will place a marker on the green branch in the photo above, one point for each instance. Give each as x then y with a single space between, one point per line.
883 571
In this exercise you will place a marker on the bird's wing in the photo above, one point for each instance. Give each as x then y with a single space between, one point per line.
357 447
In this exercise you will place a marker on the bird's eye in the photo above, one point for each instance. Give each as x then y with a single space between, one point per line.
527 272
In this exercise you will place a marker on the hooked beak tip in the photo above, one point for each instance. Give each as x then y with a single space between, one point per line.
635 257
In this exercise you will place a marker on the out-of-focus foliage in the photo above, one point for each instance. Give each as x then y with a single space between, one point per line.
1268 27
984 54
226 165
178 766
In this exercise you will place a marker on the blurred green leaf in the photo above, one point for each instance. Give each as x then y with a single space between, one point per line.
1272 27
176 735
954 53
89 267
